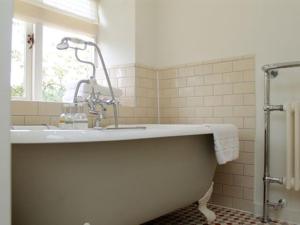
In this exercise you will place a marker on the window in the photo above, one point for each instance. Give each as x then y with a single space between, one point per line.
83 8
18 59
40 71
61 70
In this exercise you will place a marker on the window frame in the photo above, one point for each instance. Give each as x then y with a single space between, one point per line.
34 60
37 73
28 64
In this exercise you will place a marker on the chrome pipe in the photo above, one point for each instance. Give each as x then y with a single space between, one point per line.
274 180
115 109
86 62
269 67
273 107
265 218
75 98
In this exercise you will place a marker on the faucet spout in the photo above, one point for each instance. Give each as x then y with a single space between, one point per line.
75 99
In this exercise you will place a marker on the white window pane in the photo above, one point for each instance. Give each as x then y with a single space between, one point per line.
61 70
18 53
83 8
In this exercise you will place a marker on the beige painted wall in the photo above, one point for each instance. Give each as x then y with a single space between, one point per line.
196 30
128 32
5 43
117 31
146 32
160 33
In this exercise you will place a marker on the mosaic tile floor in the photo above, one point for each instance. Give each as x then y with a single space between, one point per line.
191 216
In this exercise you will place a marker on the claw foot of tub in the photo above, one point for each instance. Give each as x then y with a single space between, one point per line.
209 215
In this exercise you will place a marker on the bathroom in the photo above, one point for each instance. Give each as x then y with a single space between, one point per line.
177 73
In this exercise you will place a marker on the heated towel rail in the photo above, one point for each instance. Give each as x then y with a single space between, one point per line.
270 72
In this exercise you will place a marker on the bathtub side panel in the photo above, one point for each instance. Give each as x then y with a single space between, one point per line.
115 183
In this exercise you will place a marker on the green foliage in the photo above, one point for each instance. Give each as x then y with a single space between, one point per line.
60 68
17 91
53 89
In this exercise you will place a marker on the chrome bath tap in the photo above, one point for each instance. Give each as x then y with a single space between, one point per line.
96 103
94 99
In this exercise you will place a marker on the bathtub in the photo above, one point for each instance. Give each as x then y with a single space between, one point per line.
109 177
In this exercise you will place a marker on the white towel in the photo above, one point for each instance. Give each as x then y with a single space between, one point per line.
226 139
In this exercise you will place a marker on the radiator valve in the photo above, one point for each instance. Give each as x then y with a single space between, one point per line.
279 205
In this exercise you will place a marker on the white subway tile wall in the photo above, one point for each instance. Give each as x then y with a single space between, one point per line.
138 101
219 91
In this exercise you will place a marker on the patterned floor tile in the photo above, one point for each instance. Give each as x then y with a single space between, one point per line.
191 216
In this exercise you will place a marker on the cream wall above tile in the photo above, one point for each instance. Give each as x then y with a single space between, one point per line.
192 31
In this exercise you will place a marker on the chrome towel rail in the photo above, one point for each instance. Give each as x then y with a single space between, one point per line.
270 72
268 67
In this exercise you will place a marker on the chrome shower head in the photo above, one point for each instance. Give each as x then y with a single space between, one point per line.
62 45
